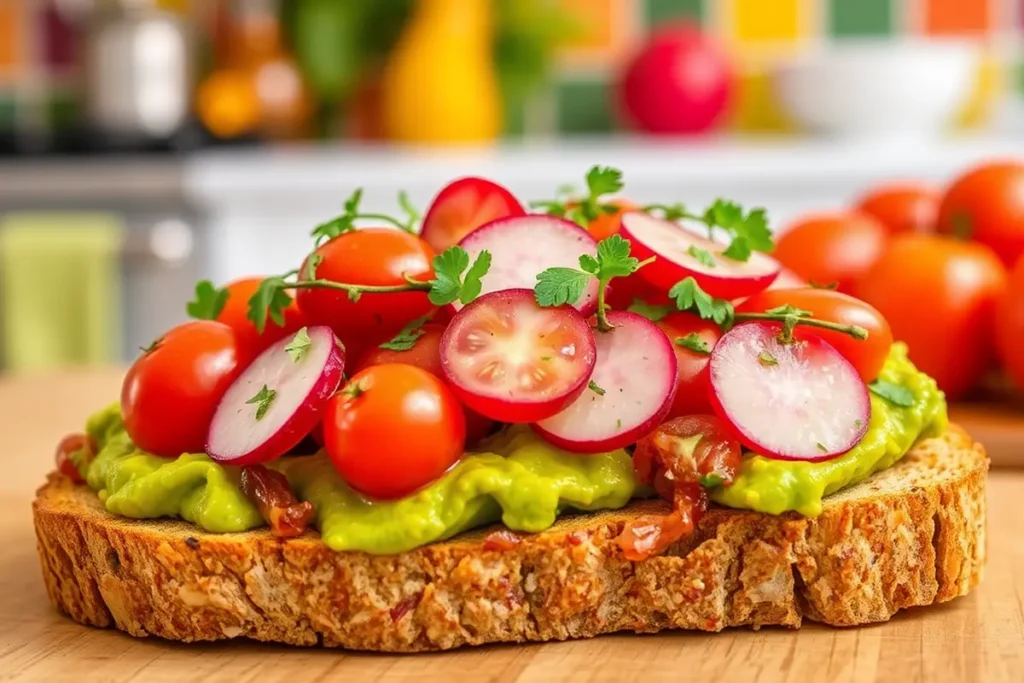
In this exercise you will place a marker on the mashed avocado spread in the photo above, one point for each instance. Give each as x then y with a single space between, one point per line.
516 478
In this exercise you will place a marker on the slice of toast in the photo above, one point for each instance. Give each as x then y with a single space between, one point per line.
912 535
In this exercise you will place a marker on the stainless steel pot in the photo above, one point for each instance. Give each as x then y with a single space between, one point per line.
138 75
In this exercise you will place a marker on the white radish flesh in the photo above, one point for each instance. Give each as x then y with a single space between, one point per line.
797 401
245 431
522 247
636 371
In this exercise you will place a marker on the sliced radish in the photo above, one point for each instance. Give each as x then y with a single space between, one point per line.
630 392
523 246
462 207
513 361
797 401
674 247
277 400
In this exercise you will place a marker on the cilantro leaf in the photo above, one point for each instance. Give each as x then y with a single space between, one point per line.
269 301
603 180
652 312
472 284
738 250
209 301
299 345
558 286
613 258
693 342
749 231
589 264
688 295
893 393
670 212
703 256
593 386
341 224
448 284
262 401
406 339
724 214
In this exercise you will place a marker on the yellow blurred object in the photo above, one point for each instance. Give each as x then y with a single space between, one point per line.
227 103
439 85
988 86
757 108
60 289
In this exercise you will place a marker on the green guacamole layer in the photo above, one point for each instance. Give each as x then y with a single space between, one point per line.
516 478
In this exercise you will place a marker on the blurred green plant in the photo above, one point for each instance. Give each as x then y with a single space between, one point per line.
337 42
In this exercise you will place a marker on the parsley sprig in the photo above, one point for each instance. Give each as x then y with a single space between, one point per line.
209 301
560 286
455 279
601 181
407 337
346 222
748 230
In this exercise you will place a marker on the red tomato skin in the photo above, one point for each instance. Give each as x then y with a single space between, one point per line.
369 256
1010 325
901 208
404 431
169 394
462 207
693 378
986 204
679 82
867 356
826 248
68 445
235 315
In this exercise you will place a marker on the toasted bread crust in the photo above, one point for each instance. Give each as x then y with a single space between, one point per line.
912 535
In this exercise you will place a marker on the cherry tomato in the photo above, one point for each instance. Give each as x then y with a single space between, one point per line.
462 207
867 356
832 248
693 381
608 224
171 392
393 429
235 315
1010 325
902 208
987 205
426 355
69 445
939 295
370 256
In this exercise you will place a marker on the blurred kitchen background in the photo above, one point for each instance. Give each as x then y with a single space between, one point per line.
145 144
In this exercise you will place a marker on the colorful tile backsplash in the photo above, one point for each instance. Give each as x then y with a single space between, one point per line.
759 33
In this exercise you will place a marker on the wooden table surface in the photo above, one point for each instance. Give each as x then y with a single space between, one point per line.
978 638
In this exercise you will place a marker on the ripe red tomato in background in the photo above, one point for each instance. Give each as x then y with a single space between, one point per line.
401 430
235 315
1010 325
679 82
369 256
172 390
903 207
986 205
837 247
693 379
939 296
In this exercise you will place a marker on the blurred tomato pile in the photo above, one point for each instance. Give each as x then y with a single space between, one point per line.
945 267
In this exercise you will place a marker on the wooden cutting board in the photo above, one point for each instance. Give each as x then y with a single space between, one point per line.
995 418
975 639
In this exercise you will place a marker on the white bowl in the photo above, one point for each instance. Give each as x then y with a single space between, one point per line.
912 88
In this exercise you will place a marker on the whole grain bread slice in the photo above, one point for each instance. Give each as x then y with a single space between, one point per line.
912 535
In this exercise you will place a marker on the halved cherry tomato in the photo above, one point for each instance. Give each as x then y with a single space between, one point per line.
171 392
1010 325
426 355
370 256
830 248
906 207
68 446
393 429
236 311
939 295
514 361
692 378
867 356
462 207
986 204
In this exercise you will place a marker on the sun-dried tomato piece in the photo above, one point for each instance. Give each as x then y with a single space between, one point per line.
74 452
273 495
651 535
503 539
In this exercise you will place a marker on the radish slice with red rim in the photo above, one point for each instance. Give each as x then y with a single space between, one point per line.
522 247
797 401
278 399
513 361
629 394
681 253
462 207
